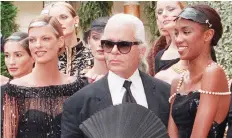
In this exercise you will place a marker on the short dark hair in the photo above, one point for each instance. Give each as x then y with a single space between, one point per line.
21 37
96 25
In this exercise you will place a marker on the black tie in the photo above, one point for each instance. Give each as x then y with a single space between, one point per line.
128 97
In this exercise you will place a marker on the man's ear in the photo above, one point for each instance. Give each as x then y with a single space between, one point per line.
142 51
208 35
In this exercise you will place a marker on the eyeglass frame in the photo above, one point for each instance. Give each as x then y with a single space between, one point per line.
118 47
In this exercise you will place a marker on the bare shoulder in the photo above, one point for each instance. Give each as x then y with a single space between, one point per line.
4 80
214 72
68 79
214 78
23 81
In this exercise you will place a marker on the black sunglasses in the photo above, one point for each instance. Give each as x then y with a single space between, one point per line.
124 47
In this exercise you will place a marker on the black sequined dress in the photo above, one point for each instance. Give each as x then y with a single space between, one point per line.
184 111
35 112
75 59
229 132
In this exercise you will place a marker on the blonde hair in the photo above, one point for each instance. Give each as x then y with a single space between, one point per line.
21 38
69 7
182 4
46 20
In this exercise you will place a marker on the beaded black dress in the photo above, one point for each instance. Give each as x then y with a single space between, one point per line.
184 111
35 112
229 132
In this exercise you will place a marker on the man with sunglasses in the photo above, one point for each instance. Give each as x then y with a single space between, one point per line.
124 47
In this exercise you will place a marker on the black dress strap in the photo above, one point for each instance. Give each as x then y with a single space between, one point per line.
157 60
163 64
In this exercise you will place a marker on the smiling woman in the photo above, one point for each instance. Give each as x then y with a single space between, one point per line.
167 61
200 97
33 103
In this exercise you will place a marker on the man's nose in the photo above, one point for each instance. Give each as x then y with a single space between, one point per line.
115 50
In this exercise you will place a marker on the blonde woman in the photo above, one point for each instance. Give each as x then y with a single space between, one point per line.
33 103
76 56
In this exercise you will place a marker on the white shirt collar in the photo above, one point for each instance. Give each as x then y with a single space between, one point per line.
115 82
117 90
114 79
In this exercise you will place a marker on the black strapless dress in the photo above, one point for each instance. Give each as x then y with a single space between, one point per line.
163 64
229 132
184 111
38 109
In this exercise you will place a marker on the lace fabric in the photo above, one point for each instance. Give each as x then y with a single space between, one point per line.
35 112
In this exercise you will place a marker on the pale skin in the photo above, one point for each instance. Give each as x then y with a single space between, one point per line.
18 61
4 80
166 12
44 47
123 65
200 76
68 21
99 69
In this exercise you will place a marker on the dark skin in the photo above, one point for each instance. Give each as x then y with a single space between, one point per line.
200 76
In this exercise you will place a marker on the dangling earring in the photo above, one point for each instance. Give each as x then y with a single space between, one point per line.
76 25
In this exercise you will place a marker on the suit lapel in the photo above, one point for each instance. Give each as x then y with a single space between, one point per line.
103 94
150 92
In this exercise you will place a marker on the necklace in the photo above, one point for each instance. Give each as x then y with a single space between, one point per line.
201 91
177 69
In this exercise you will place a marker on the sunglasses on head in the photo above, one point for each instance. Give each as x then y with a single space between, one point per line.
124 47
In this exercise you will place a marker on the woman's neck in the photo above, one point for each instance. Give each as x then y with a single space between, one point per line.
168 39
24 74
99 67
47 74
173 45
198 65
71 40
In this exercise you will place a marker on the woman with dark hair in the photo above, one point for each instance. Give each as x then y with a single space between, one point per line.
75 57
18 59
93 38
200 98
33 103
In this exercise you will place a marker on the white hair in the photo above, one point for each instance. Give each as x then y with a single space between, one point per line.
122 19
125 19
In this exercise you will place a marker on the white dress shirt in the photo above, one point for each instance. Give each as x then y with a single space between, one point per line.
117 90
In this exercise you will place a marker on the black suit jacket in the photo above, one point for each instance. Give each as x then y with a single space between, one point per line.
95 97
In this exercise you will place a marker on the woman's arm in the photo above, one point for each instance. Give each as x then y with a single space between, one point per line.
172 128
10 117
213 80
